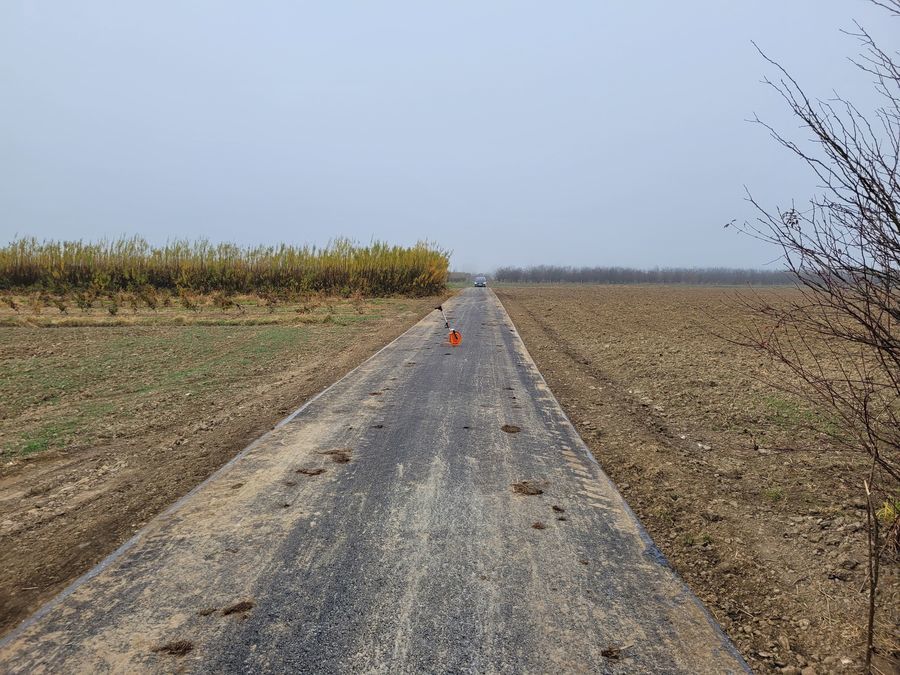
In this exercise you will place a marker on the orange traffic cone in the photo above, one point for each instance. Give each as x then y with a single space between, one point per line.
455 336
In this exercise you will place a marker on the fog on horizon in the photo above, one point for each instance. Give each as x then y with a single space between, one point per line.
512 133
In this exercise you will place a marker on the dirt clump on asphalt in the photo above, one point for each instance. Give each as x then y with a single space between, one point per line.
527 487
338 455
105 426
612 653
759 512
538 525
510 429
175 648
241 607
311 472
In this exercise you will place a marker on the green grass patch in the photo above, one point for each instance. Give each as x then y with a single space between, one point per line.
791 414
773 494
786 411
80 386
52 435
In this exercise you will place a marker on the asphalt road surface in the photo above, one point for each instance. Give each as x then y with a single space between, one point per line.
414 550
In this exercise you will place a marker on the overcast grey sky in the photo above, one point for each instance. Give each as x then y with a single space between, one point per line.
510 131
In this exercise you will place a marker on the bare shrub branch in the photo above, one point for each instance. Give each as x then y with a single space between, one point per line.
838 339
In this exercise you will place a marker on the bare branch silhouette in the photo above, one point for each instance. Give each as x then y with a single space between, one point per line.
839 338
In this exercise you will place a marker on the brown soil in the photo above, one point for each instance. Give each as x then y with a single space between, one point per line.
612 653
176 647
527 487
103 427
241 607
510 429
758 512
339 455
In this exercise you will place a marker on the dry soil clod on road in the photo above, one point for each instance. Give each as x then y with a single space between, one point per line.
527 487
338 455
175 648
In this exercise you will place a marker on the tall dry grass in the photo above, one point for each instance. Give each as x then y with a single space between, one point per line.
131 264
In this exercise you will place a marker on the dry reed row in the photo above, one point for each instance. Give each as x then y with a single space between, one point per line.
129 264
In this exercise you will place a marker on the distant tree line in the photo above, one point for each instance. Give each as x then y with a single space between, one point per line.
628 275
456 276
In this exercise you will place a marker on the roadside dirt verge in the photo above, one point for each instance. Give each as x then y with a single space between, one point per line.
103 427
759 514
